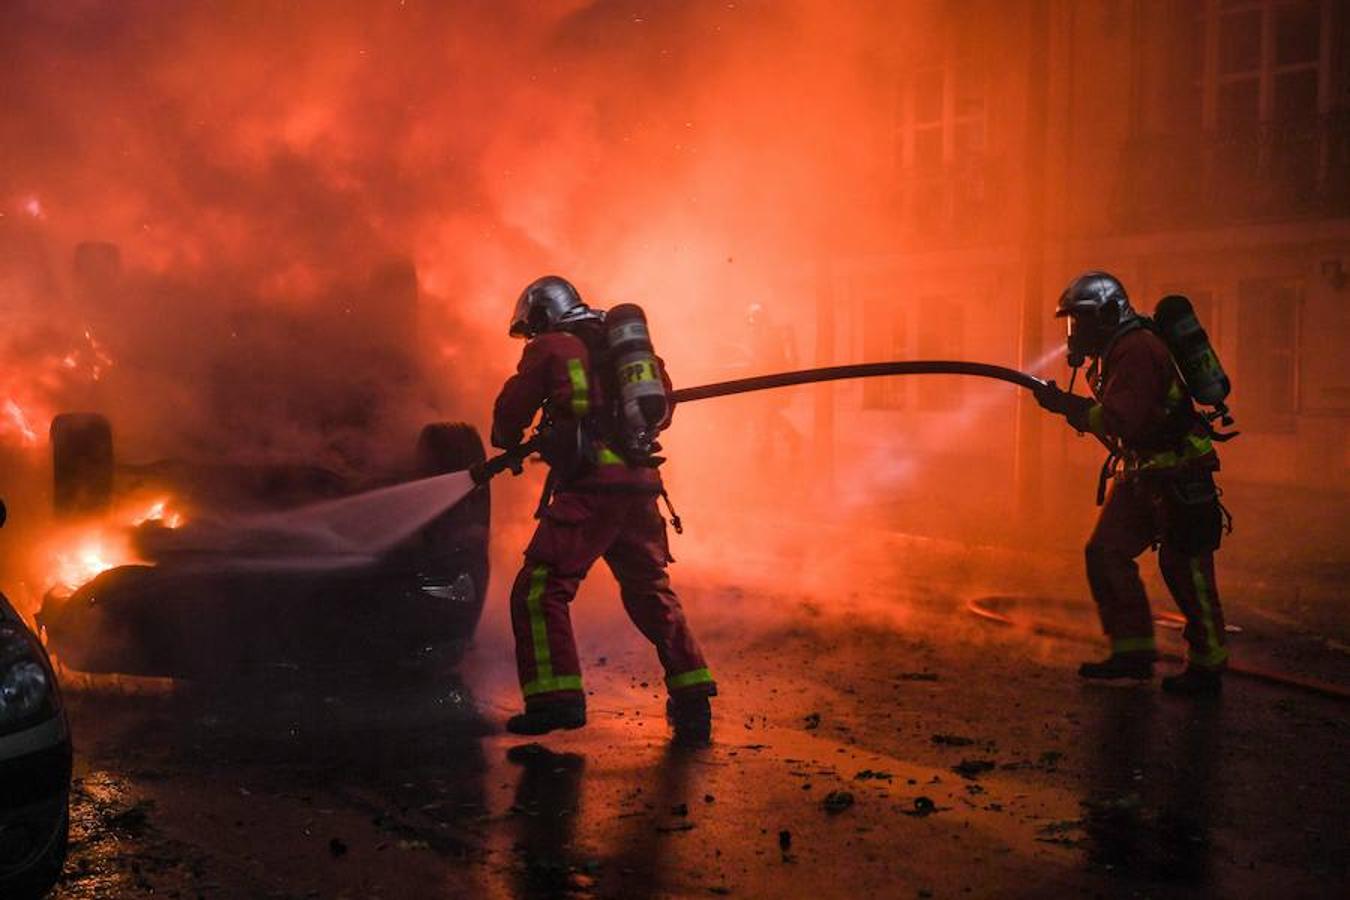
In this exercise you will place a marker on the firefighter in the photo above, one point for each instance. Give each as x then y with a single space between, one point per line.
1163 493
599 504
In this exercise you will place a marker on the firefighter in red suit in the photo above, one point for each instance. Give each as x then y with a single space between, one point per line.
601 505
1163 494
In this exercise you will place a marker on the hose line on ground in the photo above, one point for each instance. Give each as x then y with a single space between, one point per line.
983 608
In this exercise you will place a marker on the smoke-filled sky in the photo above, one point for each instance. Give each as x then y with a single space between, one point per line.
263 168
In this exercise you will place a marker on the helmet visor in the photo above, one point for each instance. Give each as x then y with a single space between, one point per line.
520 318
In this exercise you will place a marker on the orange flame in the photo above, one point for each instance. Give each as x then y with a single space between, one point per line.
77 554
34 388
16 422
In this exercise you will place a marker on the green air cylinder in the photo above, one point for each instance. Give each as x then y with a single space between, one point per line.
1195 357
643 404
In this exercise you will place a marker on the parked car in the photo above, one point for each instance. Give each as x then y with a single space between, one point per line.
417 603
34 763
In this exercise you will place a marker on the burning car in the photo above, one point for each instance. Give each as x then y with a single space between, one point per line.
35 760
193 599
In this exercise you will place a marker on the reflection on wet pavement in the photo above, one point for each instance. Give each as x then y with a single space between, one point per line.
1152 791
969 770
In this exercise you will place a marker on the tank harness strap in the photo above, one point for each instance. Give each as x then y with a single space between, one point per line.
1109 466
546 495
674 516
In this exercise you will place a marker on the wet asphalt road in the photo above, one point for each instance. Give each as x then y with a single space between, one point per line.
886 745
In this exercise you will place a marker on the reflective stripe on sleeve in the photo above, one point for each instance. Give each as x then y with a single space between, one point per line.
581 392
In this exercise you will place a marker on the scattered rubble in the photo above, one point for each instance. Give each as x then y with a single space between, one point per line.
837 801
973 768
923 806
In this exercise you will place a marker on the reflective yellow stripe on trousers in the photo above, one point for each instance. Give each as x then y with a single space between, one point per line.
689 679
544 679
1214 654
1133 645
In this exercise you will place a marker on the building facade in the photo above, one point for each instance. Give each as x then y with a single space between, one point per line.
1191 146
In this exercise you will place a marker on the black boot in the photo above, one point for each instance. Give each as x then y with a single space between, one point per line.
541 718
1138 666
1195 682
691 717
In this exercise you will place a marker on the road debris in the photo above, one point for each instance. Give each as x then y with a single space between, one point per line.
973 768
923 806
837 801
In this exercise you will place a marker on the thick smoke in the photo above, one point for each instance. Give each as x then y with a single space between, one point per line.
304 204
295 230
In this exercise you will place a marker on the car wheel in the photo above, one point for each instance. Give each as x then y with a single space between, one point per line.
42 875
444 447
82 463
448 447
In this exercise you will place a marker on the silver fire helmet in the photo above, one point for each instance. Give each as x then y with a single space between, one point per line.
1096 305
547 303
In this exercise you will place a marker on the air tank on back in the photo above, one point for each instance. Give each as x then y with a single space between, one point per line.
643 404
1195 357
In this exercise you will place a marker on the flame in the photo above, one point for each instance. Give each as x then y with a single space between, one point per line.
159 513
16 422
77 554
35 388
87 555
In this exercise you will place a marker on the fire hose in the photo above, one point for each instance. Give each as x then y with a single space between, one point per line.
984 608
514 458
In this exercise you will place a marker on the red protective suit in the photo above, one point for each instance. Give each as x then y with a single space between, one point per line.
1165 498
608 510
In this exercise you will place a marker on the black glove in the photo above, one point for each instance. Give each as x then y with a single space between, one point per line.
1054 399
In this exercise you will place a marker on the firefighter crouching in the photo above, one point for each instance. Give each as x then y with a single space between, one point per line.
601 503
1163 494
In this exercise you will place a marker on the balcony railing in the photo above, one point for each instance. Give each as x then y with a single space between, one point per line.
1287 170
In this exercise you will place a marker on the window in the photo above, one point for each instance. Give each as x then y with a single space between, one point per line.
1265 383
1263 62
945 180
941 121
